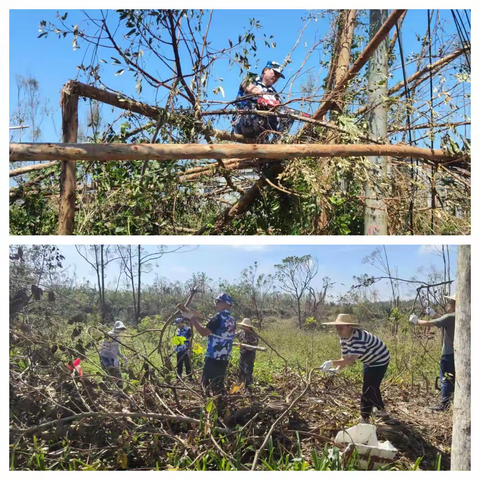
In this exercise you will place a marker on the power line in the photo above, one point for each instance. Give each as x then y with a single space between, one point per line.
410 138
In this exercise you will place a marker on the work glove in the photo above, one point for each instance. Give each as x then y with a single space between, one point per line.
333 371
413 319
326 366
431 312
187 315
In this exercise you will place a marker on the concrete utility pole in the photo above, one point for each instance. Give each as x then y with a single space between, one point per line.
462 420
375 214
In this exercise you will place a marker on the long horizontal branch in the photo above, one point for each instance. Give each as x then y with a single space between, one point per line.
30 152
427 126
279 114
30 168
212 169
80 416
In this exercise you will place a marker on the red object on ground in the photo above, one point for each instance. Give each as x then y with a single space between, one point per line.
76 366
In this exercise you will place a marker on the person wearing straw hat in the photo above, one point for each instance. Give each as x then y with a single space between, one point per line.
247 336
358 344
221 332
447 364
110 351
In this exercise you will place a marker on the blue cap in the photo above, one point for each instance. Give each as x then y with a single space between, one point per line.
225 298
179 320
276 67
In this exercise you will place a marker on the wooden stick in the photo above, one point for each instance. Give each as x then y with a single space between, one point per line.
250 347
182 308
29 152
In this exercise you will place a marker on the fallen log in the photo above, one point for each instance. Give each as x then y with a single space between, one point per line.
30 152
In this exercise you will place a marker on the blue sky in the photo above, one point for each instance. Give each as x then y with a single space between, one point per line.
53 62
339 262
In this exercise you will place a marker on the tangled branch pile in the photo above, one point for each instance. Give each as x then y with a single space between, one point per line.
61 421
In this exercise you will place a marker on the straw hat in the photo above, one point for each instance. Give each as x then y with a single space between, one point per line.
452 297
342 319
246 322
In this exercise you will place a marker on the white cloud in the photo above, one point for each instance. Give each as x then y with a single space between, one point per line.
429 249
251 248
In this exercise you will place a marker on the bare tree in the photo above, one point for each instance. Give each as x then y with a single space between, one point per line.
462 423
98 257
295 275
379 259
258 287
135 261
317 297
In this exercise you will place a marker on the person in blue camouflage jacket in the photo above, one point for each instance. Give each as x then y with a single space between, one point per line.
254 87
220 331
183 350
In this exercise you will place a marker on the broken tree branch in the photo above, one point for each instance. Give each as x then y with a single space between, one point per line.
328 100
31 168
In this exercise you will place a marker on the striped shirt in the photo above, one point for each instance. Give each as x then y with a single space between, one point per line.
371 350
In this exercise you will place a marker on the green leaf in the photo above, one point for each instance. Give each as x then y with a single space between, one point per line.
209 406
119 72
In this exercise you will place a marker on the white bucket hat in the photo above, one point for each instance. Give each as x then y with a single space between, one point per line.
118 327
342 319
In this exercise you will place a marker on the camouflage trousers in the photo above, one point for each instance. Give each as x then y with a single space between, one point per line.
112 368
261 129
247 362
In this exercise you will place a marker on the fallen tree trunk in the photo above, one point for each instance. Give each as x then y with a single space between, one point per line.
123 102
30 152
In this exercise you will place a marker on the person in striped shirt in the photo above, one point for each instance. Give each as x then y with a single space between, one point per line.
358 344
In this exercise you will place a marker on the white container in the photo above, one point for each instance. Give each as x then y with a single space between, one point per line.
372 453
362 433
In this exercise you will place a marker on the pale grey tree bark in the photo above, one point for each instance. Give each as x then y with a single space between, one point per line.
461 438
